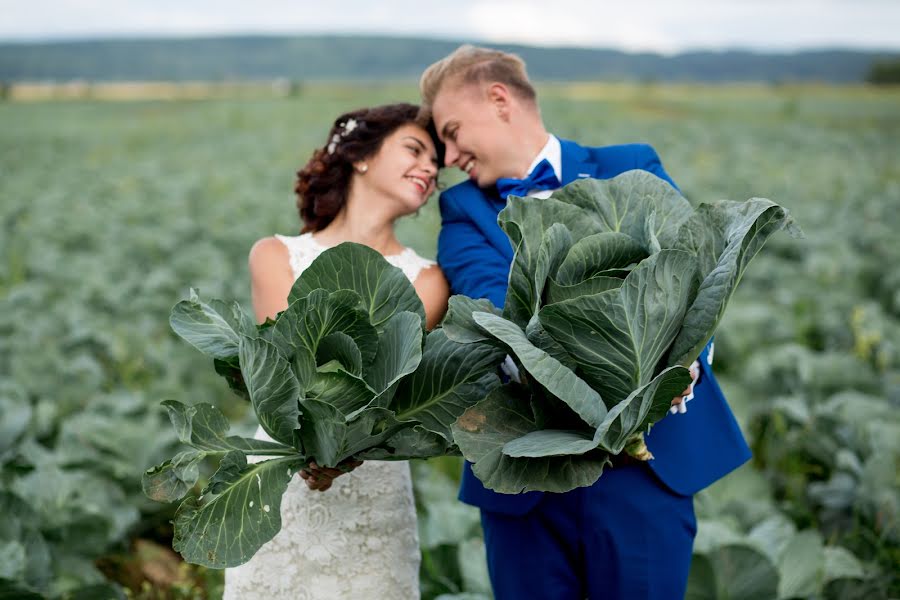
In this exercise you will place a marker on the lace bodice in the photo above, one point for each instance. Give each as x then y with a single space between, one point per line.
303 249
356 540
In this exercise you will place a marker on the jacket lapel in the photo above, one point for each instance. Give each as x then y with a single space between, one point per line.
483 206
575 162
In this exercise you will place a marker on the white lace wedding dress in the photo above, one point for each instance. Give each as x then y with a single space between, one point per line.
356 540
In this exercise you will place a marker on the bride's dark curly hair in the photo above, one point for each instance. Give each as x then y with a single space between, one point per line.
323 183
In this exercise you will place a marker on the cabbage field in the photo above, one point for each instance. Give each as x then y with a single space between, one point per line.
111 211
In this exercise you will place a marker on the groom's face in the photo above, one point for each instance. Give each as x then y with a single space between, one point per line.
478 139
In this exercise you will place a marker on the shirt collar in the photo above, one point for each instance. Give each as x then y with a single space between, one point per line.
552 151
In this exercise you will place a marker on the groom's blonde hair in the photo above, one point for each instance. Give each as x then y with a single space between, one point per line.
471 64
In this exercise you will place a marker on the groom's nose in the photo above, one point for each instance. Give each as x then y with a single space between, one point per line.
451 154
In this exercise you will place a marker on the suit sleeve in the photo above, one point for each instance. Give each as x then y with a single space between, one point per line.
648 160
472 265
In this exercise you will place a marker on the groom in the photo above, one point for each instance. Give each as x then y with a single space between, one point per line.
630 534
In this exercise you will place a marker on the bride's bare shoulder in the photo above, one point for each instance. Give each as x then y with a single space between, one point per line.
267 254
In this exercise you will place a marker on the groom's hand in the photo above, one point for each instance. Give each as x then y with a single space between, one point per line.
320 478
678 402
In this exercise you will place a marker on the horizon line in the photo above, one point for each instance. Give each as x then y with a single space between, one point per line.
177 36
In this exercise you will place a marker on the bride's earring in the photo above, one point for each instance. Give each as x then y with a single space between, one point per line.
362 168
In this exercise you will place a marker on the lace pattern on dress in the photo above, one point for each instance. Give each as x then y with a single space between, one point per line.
356 540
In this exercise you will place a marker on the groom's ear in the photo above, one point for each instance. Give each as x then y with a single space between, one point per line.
500 99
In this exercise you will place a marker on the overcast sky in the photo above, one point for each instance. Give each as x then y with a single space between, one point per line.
653 25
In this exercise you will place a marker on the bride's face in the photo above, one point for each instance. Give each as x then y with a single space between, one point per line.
404 169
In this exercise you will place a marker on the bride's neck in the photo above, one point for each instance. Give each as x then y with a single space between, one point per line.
358 223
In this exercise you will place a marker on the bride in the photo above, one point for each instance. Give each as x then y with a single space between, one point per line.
359 539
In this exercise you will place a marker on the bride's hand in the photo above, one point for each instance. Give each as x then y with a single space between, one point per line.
321 478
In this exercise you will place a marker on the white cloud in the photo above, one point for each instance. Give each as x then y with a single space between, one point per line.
565 23
640 25
658 25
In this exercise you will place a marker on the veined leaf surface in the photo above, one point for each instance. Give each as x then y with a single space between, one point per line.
227 529
383 288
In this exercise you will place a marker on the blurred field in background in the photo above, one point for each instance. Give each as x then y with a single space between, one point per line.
111 211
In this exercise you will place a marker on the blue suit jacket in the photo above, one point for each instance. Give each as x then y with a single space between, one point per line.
691 450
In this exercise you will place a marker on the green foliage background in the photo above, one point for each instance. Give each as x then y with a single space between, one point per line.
109 212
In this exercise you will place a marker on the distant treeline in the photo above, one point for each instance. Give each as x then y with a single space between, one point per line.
885 72
357 57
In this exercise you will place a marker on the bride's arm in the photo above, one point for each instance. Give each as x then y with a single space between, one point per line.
433 290
271 278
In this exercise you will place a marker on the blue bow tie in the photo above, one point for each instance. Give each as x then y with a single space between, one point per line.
542 177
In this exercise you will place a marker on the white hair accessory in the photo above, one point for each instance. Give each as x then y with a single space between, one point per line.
346 129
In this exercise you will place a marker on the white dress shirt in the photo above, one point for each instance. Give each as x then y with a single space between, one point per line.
552 151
